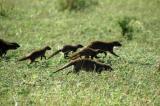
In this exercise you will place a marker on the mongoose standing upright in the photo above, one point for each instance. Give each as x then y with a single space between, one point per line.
66 49
106 46
87 65
36 54
5 46
87 52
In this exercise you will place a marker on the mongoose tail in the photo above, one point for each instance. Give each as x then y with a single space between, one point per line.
66 66
55 53
24 58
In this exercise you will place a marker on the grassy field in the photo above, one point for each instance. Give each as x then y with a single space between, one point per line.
34 24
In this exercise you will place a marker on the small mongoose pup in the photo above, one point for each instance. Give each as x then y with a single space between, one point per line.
87 52
105 46
36 54
5 46
66 49
87 65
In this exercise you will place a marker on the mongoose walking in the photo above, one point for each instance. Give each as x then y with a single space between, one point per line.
5 46
106 46
36 54
87 65
66 49
87 52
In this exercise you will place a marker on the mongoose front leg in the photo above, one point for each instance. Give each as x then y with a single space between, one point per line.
4 54
69 72
105 54
113 53
32 60
66 55
43 57
1 53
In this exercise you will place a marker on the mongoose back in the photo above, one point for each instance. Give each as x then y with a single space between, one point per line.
5 46
87 52
87 65
36 54
106 46
66 49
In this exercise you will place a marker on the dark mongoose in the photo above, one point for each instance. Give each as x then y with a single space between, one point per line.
5 46
36 54
87 65
105 46
66 49
87 52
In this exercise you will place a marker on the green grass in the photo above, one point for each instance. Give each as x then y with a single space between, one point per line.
34 24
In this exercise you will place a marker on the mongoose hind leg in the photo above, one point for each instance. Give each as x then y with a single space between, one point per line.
1 54
32 60
43 57
76 70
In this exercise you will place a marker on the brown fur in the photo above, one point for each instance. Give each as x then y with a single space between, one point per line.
87 65
36 54
5 46
87 52
66 49
105 46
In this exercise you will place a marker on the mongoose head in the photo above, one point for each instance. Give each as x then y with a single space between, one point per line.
48 48
15 45
117 43
79 46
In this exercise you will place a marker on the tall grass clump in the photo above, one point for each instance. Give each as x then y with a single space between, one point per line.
6 7
130 26
75 4
126 27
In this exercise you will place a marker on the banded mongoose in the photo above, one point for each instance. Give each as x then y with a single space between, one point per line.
106 46
66 49
87 52
87 65
36 54
5 46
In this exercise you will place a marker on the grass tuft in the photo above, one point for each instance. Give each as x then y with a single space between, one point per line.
75 4
127 29
6 7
